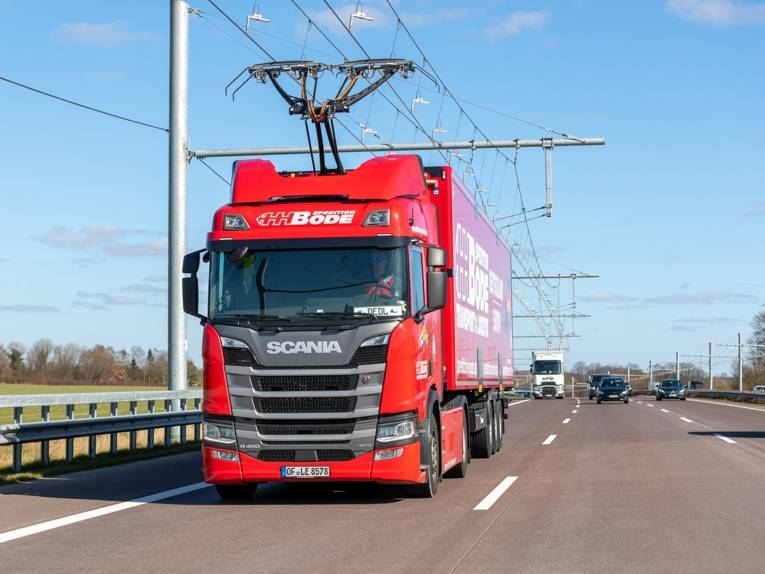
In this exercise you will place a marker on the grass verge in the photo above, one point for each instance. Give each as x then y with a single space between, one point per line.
34 472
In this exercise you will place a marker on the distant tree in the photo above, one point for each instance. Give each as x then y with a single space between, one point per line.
38 358
16 351
5 364
97 364
192 374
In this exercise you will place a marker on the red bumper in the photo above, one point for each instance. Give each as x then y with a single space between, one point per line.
403 469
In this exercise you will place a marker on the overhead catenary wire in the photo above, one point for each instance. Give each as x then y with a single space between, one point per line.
242 30
83 106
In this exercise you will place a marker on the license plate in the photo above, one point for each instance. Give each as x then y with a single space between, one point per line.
612 396
305 472
672 394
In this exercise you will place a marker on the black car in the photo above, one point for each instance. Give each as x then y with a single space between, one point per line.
593 381
613 389
670 389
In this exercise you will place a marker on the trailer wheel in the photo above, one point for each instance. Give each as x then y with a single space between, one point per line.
460 471
482 442
429 488
236 491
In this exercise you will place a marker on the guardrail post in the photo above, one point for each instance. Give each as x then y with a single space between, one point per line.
92 413
69 441
197 429
18 418
113 436
133 412
150 432
168 432
44 445
183 427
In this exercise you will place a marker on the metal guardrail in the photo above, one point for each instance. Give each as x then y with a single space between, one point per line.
69 428
744 396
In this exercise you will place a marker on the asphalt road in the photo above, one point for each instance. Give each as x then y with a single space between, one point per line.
619 488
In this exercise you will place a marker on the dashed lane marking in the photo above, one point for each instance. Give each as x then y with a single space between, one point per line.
664 410
725 438
686 420
87 515
549 439
566 421
650 406
573 412
494 495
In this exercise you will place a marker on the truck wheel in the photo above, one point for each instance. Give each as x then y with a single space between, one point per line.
429 488
599 401
236 491
482 442
499 430
460 471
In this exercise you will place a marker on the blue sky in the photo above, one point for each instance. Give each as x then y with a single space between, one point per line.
669 213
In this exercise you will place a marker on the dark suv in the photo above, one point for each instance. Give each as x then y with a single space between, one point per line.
613 389
670 389
593 381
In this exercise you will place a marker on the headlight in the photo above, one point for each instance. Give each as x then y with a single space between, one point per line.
375 341
398 429
220 433
233 343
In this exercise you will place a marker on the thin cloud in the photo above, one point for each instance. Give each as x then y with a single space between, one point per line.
4 260
718 12
155 279
144 288
701 298
137 249
89 305
436 17
107 299
21 308
683 328
604 297
107 34
706 320
756 209
516 23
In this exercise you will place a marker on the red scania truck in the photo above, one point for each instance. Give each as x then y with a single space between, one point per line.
358 328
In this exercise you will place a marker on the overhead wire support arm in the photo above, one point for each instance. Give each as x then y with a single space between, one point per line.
394 147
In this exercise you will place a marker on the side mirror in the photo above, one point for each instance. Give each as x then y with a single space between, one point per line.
436 257
190 287
436 289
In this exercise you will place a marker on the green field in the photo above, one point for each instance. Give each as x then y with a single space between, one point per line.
24 389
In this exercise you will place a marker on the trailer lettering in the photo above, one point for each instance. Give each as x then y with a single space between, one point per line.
320 217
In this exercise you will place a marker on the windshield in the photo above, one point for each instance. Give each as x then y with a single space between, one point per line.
612 383
546 368
308 284
670 384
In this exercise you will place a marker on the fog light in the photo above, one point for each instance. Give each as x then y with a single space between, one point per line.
388 454
225 455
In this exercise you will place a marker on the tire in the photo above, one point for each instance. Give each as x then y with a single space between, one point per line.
658 398
482 442
236 491
626 401
429 488
683 398
460 471
599 401
499 430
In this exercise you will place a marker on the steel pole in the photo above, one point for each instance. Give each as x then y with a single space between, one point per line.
383 148
650 375
547 144
178 158
740 366
677 365
711 377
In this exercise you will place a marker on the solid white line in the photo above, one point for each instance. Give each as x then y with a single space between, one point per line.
722 404
686 420
565 421
550 438
650 406
725 438
513 403
664 410
87 515
494 495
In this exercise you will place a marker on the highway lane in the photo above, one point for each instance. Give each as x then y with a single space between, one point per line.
622 488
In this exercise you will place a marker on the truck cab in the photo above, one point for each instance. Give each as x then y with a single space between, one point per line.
547 371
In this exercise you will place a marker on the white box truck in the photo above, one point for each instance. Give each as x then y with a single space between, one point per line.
547 372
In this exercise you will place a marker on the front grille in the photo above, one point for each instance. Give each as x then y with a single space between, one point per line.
305 405
305 383
238 357
334 455
277 456
324 455
370 355
305 428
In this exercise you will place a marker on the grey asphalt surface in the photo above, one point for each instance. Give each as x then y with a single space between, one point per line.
623 488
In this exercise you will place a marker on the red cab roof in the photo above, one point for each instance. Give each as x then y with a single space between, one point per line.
378 179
